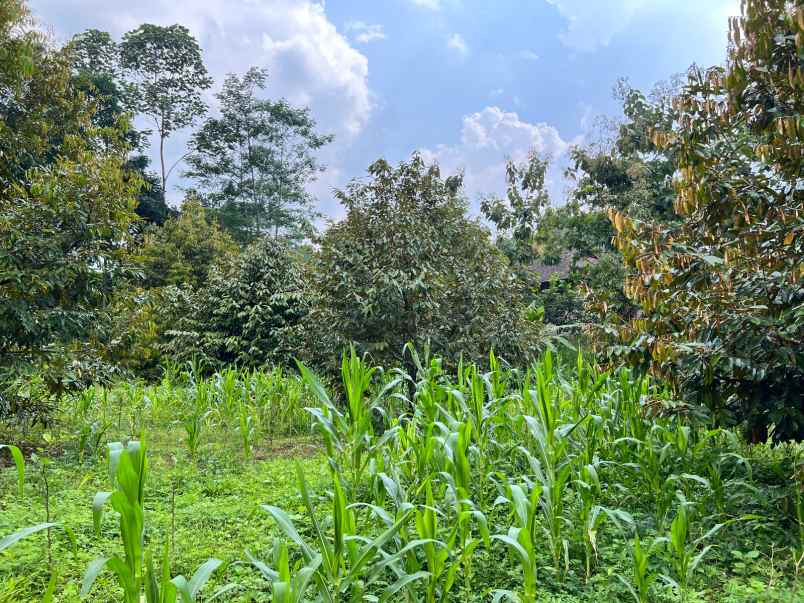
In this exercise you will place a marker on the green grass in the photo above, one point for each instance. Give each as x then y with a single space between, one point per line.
217 513
459 457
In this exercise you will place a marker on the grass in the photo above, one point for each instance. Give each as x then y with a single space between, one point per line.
216 513
568 484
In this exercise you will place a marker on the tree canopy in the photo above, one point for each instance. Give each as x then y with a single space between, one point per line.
722 305
254 161
407 264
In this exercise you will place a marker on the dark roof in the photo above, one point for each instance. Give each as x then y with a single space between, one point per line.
561 269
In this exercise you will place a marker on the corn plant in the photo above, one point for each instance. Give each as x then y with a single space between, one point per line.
642 577
552 462
128 468
685 556
287 585
246 428
349 439
441 569
348 565
193 425
798 480
590 515
521 538
229 392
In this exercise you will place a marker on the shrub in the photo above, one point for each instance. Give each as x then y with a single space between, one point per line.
406 264
246 313
184 248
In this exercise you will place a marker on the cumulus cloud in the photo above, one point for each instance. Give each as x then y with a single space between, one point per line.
365 32
491 136
591 24
456 43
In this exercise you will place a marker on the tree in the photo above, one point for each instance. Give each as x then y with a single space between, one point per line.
517 216
96 53
247 313
625 170
720 291
182 251
168 73
66 203
97 74
254 161
406 264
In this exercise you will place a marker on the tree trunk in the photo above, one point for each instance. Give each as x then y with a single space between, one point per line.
162 162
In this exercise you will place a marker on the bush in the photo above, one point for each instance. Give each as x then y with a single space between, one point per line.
406 264
183 249
247 312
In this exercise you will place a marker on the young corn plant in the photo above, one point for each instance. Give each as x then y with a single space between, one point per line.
350 564
642 576
196 420
521 538
287 585
128 468
590 514
439 564
685 556
246 429
15 537
350 441
552 462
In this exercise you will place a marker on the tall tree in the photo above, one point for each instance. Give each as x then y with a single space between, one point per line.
98 74
253 162
721 289
516 217
95 52
167 69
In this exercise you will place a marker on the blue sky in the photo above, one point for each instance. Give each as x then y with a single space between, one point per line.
466 82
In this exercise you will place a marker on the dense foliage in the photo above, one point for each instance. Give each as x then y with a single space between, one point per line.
158 358
66 204
253 162
246 313
406 264
183 249
720 292
564 482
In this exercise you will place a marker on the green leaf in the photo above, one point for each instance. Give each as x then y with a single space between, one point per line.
19 461
12 539
92 572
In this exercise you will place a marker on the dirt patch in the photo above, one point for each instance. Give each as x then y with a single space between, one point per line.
288 449
27 449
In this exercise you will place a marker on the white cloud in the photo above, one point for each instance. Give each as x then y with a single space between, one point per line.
593 23
528 55
458 44
365 32
488 138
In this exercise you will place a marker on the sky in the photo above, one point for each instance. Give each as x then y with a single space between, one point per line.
467 83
